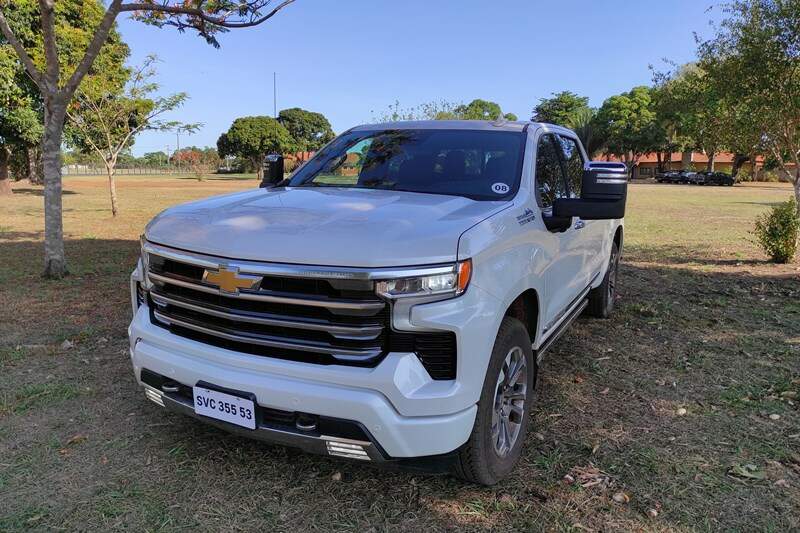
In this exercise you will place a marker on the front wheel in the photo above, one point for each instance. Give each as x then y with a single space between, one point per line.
504 408
601 298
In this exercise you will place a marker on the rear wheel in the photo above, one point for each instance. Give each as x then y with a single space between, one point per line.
501 423
601 298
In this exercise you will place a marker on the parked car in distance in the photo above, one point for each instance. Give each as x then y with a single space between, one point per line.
718 178
670 176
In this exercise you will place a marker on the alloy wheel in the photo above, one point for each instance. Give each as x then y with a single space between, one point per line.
509 401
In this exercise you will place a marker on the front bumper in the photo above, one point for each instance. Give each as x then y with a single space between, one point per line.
403 411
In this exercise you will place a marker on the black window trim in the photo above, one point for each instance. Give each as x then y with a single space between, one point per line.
548 210
563 158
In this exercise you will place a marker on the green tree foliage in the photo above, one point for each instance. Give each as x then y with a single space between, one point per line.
753 61
105 118
562 109
628 125
253 138
310 130
443 110
21 105
777 231
154 159
45 59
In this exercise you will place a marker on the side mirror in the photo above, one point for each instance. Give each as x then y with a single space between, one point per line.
604 190
273 171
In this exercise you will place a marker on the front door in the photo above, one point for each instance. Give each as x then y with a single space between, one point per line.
564 274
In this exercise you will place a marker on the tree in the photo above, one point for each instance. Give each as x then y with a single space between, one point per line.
310 130
753 61
584 123
628 124
482 110
154 159
45 61
443 110
253 138
103 121
201 161
20 124
562 109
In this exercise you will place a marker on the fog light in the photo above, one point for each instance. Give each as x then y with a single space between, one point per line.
347 449
154 395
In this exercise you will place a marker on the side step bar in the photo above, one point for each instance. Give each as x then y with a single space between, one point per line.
560 330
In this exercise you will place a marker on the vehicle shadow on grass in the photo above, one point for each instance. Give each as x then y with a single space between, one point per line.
721 345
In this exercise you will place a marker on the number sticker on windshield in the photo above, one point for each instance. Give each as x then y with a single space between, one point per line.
500 188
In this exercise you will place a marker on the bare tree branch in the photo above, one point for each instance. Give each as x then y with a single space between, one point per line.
26 60
99 39
204 16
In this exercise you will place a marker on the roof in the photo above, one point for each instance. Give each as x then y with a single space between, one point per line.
447 125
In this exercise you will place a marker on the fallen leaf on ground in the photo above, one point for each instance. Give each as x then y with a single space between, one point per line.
748 471
621 497
589 476
67 344
75 439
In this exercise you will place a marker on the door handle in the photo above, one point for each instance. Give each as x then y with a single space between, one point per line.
580 224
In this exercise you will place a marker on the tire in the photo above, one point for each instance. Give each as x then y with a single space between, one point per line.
601 298
486 458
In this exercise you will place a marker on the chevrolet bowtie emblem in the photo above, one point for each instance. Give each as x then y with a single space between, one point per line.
229 280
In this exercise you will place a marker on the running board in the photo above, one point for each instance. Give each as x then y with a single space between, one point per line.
560 330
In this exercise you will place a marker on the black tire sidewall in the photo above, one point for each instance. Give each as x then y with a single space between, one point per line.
512 333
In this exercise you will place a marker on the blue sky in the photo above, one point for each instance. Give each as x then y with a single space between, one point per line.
351 59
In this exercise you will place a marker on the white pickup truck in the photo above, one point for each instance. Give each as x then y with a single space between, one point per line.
388 302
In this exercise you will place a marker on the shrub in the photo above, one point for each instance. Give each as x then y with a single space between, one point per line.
777 231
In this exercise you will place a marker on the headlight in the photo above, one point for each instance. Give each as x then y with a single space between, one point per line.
145 259
451 281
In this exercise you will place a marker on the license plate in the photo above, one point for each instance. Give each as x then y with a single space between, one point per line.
233 409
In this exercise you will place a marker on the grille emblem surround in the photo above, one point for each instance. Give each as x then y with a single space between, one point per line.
230 281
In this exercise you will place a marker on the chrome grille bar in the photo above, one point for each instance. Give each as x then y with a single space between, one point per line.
340 332
265 297
352 354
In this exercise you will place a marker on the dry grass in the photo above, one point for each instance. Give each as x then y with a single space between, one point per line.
703 325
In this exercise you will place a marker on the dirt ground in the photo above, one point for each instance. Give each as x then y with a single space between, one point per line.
679 413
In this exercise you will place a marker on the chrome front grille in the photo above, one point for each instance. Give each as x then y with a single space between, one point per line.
315 320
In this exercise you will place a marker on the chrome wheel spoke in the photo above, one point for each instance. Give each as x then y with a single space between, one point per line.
508 412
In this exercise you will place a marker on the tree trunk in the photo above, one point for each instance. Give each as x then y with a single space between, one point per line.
738 161
659 162
33 168
5 182
112 187
797 188
710 164
55 264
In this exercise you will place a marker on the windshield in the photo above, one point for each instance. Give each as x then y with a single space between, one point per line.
478 164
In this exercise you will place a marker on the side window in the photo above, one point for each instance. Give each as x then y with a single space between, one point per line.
573 161
550 182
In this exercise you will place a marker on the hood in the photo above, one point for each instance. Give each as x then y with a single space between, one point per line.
323 226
